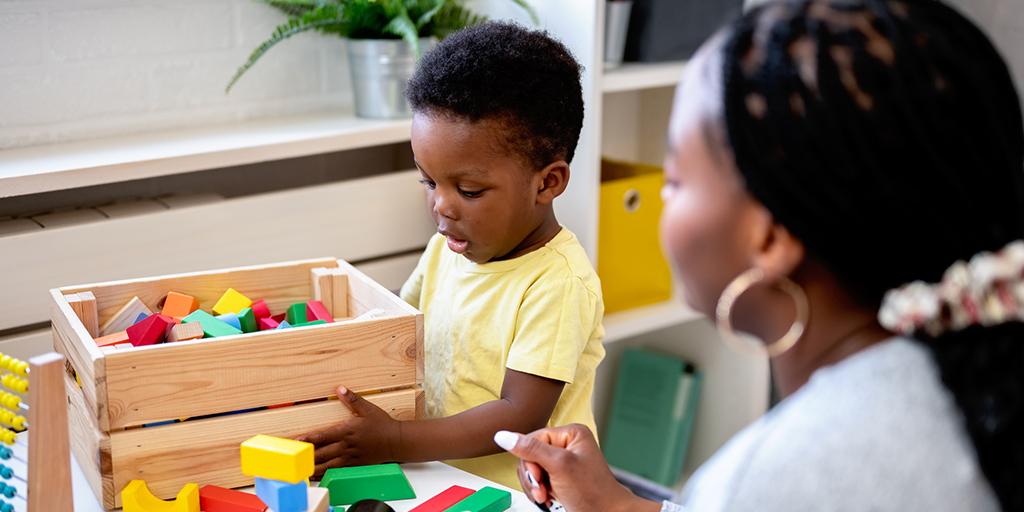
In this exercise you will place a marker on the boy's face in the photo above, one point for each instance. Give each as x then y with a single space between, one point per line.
482 199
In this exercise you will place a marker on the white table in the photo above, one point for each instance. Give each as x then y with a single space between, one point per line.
427 480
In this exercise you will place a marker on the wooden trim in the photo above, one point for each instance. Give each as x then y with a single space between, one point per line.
72 341
206 451
89 444
194 378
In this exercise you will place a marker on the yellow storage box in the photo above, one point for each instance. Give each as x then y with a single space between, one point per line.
629 261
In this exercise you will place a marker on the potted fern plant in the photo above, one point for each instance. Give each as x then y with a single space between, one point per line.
386 38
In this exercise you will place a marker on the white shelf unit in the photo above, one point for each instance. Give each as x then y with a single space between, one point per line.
634 76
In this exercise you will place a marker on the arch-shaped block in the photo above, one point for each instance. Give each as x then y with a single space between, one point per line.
135 497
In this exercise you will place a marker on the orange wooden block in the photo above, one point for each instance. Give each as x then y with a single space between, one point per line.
179 305
112 339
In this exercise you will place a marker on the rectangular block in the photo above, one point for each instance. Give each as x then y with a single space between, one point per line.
212 327
231 319
444 500
487 499
185 332
154 329
296 314
110 340
178 305
125 317
213 498
315 310
276 458
231 302
318 499
384 482
268 324
260 309
247 320
84 305
282 496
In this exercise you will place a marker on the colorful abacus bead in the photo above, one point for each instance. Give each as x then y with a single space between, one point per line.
5 453
19 367
10 400
18 422
6 507
8 490
7 436
6 472
14 383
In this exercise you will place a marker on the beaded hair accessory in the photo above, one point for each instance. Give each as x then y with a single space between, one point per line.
988 290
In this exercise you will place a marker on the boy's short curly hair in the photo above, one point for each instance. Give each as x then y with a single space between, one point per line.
501 71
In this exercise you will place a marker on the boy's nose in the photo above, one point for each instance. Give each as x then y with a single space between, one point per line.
444 207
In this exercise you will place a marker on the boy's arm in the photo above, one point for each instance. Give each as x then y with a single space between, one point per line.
373 437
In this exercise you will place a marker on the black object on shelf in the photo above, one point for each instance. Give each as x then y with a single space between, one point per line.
665 30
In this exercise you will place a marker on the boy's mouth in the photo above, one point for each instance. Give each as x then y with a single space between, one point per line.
458 246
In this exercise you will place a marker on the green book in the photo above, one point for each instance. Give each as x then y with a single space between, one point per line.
651 420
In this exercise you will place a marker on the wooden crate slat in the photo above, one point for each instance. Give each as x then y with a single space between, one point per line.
72 341
89 444
280 284
191 378
207 451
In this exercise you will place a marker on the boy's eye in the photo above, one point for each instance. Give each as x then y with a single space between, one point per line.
471 193
429 184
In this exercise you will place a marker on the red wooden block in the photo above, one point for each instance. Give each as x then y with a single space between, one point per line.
260 309
444 500
315 310
219 499
280 318
152 330
268 324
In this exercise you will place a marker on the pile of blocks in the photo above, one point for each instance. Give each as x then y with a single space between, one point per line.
281 468
181 319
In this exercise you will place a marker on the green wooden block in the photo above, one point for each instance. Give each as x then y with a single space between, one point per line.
384 482
297 314
212 327
248 320
487 499
314 322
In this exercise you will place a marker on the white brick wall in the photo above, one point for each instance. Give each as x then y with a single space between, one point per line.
78 69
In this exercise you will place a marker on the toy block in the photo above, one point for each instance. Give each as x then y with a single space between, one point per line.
283 496
487 499
230 319
297 314
317 500
315 310
84 305
268 324
212 327
178 305
330 286
110 340
283 325
125 317
260 309
314 322
185 332
444 500
276 458
150 331
383 482
279 318
135 497
219 499
231 302
247 320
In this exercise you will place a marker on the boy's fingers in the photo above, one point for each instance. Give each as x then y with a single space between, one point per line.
328 452
355 403
322 468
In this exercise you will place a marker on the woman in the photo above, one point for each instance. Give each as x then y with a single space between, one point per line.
824 155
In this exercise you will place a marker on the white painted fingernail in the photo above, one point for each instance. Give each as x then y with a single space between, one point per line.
506 440
529 478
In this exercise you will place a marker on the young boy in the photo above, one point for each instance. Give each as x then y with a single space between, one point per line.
512 306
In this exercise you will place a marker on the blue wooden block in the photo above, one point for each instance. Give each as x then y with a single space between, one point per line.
230 319
141 317
282 496
283 325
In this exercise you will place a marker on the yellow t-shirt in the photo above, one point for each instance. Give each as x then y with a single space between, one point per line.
539 313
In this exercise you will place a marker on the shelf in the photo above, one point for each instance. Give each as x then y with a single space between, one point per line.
634 322
637 76
45 168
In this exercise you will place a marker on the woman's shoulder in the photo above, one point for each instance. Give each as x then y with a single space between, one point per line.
876 431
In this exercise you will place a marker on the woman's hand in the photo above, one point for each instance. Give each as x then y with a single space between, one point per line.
368 437
567 465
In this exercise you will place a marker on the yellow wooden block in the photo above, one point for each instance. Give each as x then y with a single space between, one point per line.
135 497
231 302
276 458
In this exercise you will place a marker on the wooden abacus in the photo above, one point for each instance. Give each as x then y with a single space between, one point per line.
46 459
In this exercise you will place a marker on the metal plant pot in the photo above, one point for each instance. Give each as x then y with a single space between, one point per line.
380 70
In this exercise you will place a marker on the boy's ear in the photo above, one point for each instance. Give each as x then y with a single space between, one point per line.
551 181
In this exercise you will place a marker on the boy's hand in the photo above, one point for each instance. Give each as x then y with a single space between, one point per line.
369 437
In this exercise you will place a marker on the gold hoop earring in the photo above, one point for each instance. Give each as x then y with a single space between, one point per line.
739 286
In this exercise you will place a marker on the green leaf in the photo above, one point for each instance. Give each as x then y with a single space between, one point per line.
428 16
321 16
454 17
293 8
402 26
529 10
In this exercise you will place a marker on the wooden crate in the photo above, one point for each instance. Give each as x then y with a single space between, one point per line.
122 389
